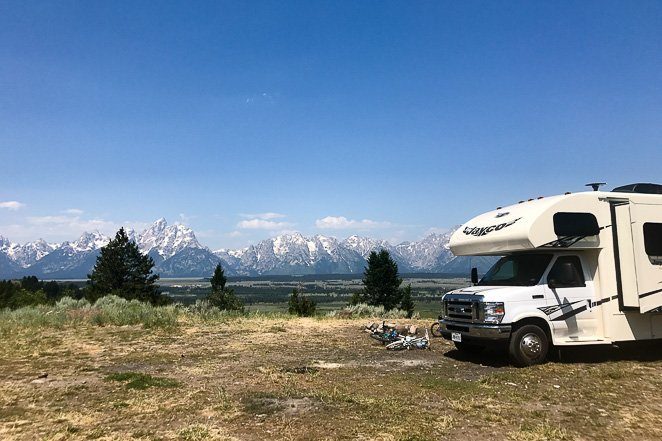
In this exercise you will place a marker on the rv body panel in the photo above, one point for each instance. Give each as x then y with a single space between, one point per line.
648 268
623 251
617 239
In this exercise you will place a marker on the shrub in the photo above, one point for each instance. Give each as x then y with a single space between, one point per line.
225 300
356 298
114 310
203 310
300 305
365 310
108 310
66 303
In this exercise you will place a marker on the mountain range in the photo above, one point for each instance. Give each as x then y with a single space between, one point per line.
177 253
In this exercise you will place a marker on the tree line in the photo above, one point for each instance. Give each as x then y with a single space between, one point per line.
122 270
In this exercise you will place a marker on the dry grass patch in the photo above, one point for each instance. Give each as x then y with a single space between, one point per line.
256 378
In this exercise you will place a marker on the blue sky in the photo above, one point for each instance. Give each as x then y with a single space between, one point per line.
246 119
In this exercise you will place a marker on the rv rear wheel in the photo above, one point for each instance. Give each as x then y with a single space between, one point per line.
528 346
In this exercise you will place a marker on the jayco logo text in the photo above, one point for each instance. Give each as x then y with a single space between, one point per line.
482 231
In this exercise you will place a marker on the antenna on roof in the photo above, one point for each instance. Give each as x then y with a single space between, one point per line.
596 185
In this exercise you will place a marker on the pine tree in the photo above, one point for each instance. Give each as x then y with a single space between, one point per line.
293 303
407 303
381 281
218 280
121 269
301 305
221 297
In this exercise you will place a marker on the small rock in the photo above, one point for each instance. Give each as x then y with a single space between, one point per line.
43 375
556 386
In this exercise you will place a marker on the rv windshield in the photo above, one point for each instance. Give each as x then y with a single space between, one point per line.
517 270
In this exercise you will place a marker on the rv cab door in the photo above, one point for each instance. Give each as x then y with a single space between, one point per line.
570 290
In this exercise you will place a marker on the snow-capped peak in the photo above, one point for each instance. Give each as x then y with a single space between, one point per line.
90 241
167 240
26 255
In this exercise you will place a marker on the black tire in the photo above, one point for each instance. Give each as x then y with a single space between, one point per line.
469 348
435 329
528 346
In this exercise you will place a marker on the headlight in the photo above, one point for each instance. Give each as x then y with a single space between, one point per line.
493 312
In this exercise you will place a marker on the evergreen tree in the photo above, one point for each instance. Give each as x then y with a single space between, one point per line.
221 297
301 305
121 269
407 303
218 280
293 303
31 283
356 298
381 281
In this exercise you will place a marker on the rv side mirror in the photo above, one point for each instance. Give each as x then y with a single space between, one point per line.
474 276
551 283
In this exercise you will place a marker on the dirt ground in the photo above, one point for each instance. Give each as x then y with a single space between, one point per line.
310 379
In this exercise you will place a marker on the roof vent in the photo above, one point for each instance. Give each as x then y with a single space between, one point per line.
640 188
595 185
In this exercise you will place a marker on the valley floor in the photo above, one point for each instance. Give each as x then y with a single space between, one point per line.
308 379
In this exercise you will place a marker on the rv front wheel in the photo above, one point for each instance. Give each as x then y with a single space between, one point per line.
528 346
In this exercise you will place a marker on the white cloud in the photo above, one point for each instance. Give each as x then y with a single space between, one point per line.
235 233
73 211
342 223
262 224
57 228
265 216
72 223
12 205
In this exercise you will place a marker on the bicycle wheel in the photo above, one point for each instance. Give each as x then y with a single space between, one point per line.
396 345
435 329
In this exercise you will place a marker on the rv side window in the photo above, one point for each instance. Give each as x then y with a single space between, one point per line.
575 224
567 273
653 242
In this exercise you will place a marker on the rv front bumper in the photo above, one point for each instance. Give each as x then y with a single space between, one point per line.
475 331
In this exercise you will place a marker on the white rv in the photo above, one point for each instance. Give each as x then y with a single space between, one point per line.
577 269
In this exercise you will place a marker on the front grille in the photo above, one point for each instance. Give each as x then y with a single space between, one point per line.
462 309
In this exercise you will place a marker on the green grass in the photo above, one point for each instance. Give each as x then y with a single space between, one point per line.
140 381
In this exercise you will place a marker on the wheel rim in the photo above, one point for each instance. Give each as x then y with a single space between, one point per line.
530 345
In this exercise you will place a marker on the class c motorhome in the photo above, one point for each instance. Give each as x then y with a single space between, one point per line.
577 269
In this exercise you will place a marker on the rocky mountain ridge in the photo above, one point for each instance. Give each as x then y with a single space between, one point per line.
177 253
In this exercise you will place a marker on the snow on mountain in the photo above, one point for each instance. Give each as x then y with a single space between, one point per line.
365 245
89 242
429 253
177 253
27 254
167 240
